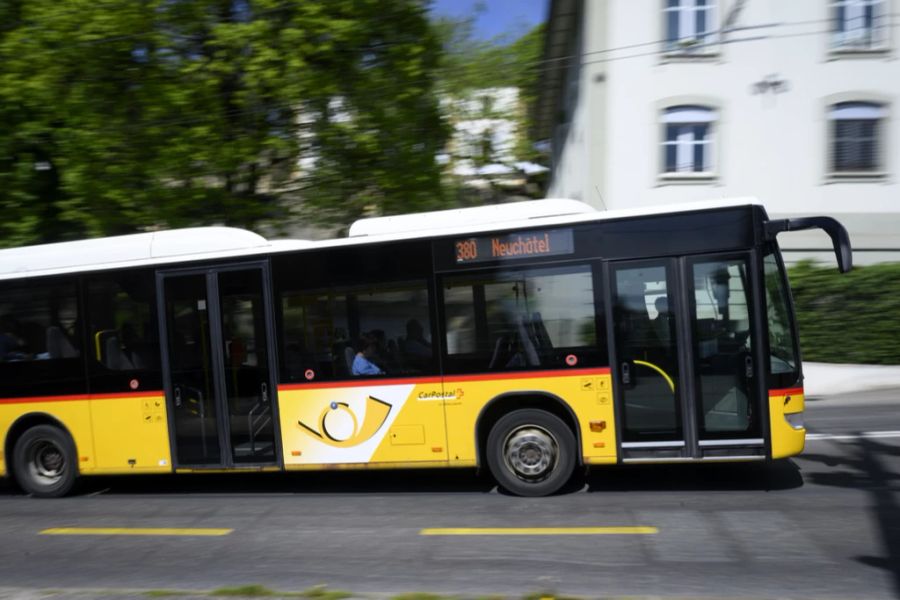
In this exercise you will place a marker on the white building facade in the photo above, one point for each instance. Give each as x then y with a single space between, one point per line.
795 102
487 131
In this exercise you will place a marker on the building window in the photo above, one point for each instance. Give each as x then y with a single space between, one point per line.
688 142
859 25
856 131
690 26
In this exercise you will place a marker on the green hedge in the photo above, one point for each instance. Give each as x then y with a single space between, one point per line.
850 318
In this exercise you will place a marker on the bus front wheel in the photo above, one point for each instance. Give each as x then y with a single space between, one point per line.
531 452
44 461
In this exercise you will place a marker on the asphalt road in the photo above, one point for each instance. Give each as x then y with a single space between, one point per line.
825 525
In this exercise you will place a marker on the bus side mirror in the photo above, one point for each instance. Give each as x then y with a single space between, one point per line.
838 234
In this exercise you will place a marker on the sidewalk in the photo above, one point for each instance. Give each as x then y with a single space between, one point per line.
825 379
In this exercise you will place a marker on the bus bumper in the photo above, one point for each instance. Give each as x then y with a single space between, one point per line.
786 422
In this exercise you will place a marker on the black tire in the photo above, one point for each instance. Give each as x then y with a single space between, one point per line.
45 462
531 452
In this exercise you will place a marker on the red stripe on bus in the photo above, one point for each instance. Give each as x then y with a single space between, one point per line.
795 391
148 394
315 385
32 399
312 385
529 375
76 397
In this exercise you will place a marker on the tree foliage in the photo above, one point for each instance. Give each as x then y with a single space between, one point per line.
469 63
469 70
121 115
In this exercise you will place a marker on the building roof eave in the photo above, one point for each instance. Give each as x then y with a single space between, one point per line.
563 20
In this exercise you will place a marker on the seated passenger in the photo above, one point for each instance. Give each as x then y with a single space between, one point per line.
363 362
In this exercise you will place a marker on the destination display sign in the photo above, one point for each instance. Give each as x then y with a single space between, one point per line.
514 245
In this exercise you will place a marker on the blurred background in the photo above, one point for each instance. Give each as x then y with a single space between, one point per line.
294 118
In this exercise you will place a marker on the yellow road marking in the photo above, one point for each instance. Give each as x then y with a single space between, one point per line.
541 531
134 531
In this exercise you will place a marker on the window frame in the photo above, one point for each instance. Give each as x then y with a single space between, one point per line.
667 119
878 34
700 45
879 168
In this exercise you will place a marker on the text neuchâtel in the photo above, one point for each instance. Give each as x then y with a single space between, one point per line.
521 246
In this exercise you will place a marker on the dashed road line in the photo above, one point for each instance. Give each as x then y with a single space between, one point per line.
162 531
540 531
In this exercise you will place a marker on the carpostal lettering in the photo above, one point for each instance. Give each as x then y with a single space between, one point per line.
521 246
437 395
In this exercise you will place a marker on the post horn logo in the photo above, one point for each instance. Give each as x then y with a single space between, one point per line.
338 426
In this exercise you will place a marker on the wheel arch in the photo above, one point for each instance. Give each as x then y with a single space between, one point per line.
23 424
509 401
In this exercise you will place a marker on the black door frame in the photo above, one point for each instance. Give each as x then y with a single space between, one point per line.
213 300
681 278
675 291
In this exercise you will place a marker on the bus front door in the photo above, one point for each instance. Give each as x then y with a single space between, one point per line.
218 371
687 383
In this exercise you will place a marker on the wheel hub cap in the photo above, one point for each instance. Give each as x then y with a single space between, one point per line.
531 452
47 461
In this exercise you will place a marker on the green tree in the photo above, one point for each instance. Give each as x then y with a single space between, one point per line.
119 115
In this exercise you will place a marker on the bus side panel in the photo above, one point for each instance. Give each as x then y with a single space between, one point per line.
130 434
74 415
786 441
386 422
588 395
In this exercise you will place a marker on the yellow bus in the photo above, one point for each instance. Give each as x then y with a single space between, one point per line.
532 339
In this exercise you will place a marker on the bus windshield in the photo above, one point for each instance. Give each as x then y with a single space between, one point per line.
783 369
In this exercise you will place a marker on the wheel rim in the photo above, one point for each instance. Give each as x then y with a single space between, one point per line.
46 462
531 452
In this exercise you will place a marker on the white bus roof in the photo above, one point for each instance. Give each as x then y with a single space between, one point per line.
194 243
469 217
205 243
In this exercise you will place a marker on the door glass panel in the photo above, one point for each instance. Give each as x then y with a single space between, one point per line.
192 372
647 354
722 348
247 379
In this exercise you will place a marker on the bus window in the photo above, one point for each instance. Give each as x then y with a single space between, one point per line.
324 331
38 323
534 318
783 371
121 318
40 339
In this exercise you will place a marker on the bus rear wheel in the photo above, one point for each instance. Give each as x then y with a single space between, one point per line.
44 462
531 452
